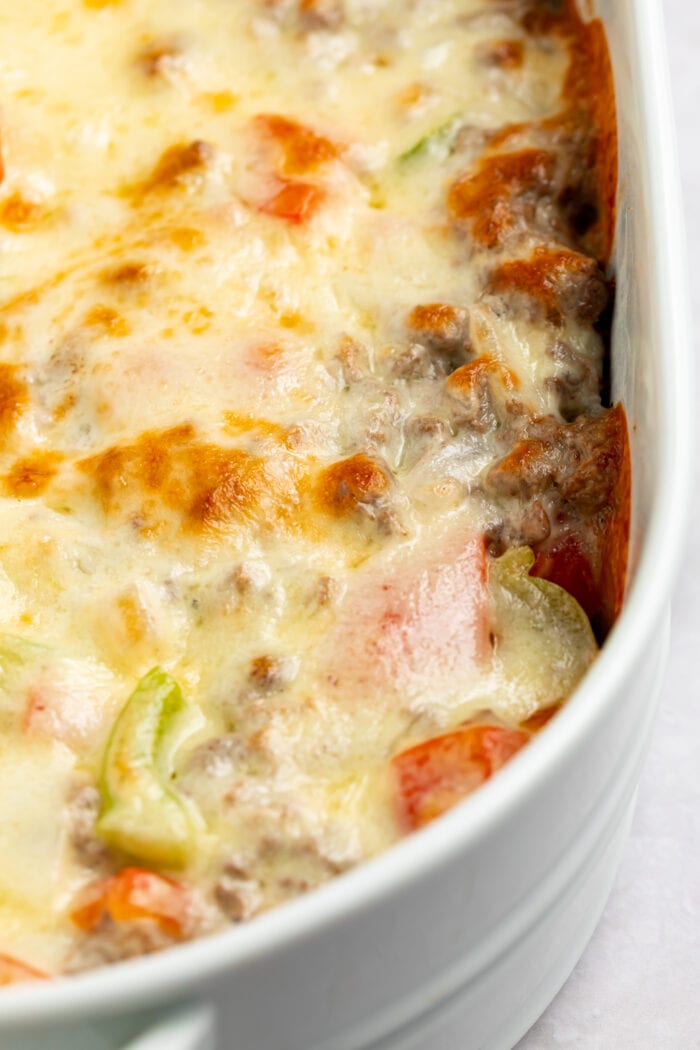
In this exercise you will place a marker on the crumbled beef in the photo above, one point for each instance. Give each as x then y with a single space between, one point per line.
321 14
83 807
502 196
554 282
307 16
161 60
577 385
424 435
417 362
479 387
294 866
383 419
477 412
354 360
578 197
238 897
218 757
525 527
431 426
351 485
269 674
361 488
247 577
444 331
112 941
530 467
500 54
579 461
326 591
584 295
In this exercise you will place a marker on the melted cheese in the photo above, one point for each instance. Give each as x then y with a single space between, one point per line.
227 445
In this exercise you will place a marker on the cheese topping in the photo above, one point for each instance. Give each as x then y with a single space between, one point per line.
301 365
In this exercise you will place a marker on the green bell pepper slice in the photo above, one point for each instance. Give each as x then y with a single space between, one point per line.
438 143
543 639
142 814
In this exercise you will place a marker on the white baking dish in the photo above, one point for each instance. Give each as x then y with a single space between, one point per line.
460 936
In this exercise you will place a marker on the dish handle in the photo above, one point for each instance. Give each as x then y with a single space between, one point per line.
190 1027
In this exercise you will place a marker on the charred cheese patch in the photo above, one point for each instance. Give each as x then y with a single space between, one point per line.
200 485
345 486
503 192
14 398
30 476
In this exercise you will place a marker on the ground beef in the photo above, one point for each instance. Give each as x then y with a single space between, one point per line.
321 14
236 896
443 330
553 282
113 941
525 527
270 674
578 461
218 757
354 360
577 385
83 806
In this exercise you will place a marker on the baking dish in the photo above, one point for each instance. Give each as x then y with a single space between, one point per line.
460 936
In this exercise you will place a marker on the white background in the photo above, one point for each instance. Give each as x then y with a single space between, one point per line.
638 985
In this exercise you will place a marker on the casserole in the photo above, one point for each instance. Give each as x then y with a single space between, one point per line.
443 934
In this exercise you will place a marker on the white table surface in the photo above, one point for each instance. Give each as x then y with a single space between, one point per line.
638 985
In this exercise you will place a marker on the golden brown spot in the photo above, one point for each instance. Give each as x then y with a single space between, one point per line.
130 274
99 4
494 198
438 323
465 381
590 78
270 358
344 486
164 60
296 321
34 295
505 54
321 14
302 149
236 423
218 101
291 437
64 406
527 469
560 281
20 214
186 238
108 320
269 673
4 332
414 95
179 167
132 615
30 476
588 121
14 398
199 320
205 486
